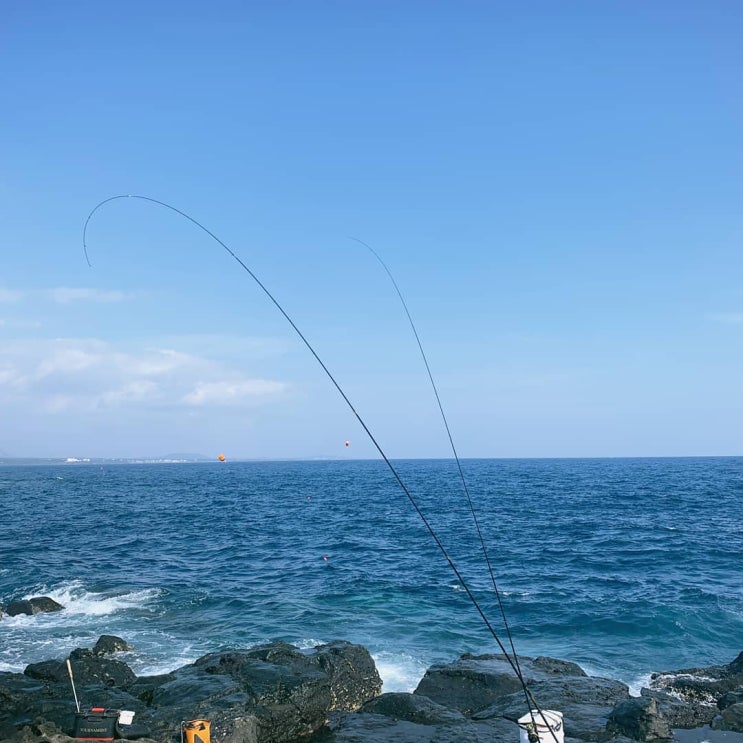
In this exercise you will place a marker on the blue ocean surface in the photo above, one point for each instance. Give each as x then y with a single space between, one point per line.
624 566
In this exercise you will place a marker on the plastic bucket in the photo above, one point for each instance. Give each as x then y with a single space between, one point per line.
125 717
547 724
197 731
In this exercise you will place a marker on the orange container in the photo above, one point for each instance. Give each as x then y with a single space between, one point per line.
196 731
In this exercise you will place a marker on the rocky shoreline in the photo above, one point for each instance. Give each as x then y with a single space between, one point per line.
277 693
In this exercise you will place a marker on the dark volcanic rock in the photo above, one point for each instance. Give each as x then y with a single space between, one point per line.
22 606
474 682
413 708
731 718
37 605
693 697
678 713
350 727
639 719
277 693
96 670
354 678
270 694
585 702
731 697
108 644
469 684
43 604
479 698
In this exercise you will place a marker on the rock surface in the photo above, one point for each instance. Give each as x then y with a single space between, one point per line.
479 698
276 693
36 605
271 693
108 644
694 697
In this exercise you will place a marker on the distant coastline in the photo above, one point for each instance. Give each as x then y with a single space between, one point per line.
168 459
202 459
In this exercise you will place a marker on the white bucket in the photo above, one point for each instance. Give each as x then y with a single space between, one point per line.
548 726
125 717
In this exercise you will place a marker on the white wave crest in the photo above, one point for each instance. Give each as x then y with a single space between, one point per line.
76 599
399 671
637 684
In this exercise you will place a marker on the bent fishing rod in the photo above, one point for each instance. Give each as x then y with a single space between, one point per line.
346 399
462 478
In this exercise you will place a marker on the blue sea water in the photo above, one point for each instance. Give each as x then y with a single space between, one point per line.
624 566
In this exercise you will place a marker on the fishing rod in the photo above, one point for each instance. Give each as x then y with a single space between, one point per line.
462 478
346 399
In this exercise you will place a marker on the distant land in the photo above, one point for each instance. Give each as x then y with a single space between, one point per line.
166 458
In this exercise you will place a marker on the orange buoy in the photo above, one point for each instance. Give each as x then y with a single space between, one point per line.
221 458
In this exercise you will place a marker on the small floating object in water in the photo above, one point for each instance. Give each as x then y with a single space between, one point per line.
348 443
222 458
325 557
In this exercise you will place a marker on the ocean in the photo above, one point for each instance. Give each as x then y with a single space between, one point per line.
624 566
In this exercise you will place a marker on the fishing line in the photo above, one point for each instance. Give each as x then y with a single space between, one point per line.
340 391
462 478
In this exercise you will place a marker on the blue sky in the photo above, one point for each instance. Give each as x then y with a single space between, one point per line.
556 187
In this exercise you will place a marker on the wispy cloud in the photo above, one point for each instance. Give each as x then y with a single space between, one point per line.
136 391
10 376
232 392
23 324
64 360
92 376
10 295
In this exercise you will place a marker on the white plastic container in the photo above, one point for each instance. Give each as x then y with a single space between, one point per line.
548 726
125 717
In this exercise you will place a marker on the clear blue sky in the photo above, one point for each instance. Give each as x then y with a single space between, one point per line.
557 188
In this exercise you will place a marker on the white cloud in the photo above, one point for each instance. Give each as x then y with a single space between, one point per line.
73 376
160 361
65 360
23 324
10 376
10 295
232 392
140 390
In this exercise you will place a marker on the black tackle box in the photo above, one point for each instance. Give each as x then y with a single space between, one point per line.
95 724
